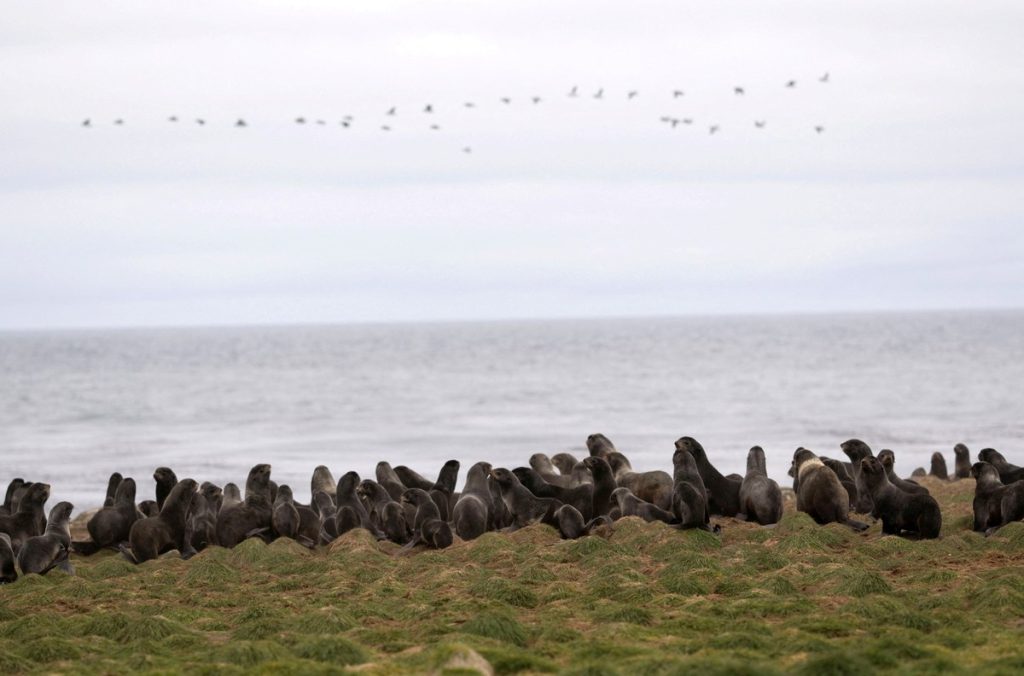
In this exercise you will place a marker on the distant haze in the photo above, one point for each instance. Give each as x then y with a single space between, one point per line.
909 199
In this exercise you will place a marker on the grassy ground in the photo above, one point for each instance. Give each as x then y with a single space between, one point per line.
797 598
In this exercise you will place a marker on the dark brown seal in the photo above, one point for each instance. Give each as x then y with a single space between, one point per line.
43 553
760 497
819 493
154 535
723 492
899 510
252 516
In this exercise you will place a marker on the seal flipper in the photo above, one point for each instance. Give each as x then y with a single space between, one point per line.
84 547
858 526
126 552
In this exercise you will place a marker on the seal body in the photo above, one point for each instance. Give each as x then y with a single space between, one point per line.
253 516
938 468
600 445
819 493
844 478
30 519
152 536
8 573
900 511
631 505
471 514
428 529
689 496
995 503
962 463
888 459
856 450
111 525
524 506
723 492
654 487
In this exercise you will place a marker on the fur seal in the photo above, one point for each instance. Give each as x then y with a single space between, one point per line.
600 445
9 506
410 479
322 480
112 484
327 513
428 528
654 487
524 506
689 496
285 516
24 523
995 503
443 490
501 517
564 462
8 573
723 492
760 497
42 553
962 464
856 450
201 523
148 508
110 526
154 535
819 493
844 478
631 505
1008 473
387 478
938 469
347 497
603 480
542 464
571 524
581 497
387 515
899 510
888 458
253 516
165 480
471 514
232 496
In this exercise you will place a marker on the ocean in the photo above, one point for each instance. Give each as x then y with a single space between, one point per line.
76 405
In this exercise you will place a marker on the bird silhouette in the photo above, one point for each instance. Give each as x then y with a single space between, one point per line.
469 104
687 120
391 111
428 108
738 91
823 78
241 123
467 149
791 83
506 100
676 93
384 127
118 121
819 129
346 124
675 122
200 121
599 94
300 120
434 127
713 129
86 122
574 92
632 94
759 124
172 118
536 100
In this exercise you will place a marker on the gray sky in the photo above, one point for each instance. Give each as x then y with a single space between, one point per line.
573 207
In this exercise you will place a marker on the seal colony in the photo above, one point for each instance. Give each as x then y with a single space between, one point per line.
576 498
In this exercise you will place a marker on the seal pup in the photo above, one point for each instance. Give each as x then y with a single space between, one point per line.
410 479
327 517
213 494
443 490
322 480
112 484
631 505
581 497
471 514
524 506
9 506
571 524
819 493
760 497
347 497
110 526
962 463
154 535
252 516
500 516
201 524
285 516
723 492
603 480
165 480
995 504
689 496
232 496
654 487
542 464
938 468
899 510
844 478
1007 473
148 508
600 445
24 523
428 529
387 478
564 462
887 458
856 450
580 475
42 553
386 514
8 573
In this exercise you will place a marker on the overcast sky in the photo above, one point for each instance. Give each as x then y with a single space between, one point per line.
913 197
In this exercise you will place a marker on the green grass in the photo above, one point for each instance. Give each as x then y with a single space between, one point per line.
798 598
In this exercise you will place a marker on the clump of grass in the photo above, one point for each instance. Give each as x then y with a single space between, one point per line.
858 583
682 580
497 626
626 613
250 653
512 593
333 649
836 663
125 628
323 621
208 572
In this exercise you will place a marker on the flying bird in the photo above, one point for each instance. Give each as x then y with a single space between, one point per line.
384 127
791 83
823 78
241 123
172 118
536 100
632 94
391 111
574 91
345 124
713 129
675 122
86 122
738 91
599 94
467 149
676 93
469 104
119 121
687 120
200 121
300 120
819 129
434 127
428 108
506 100
759 124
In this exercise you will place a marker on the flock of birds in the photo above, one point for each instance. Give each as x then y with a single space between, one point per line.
577 497
386 124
